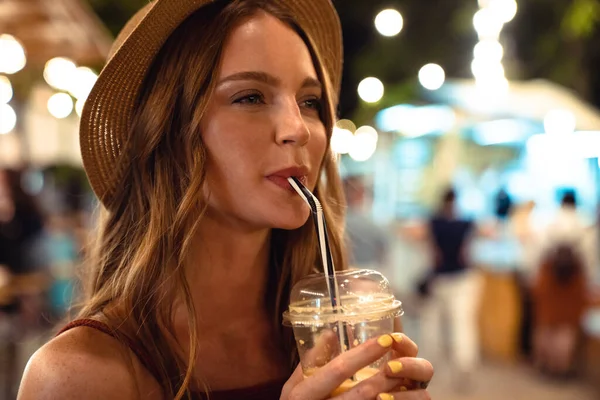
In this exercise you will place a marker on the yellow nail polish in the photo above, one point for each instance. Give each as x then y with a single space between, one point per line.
385 396
395 366
397 337
385 341
403 388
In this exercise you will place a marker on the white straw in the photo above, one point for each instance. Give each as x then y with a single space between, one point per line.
324 256
320 234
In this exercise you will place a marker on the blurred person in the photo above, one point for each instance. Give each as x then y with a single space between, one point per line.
190 133
521 221
452 291
21 285
526 234
561 290
503 205
560 298
61 247
569 227
21 223
368 243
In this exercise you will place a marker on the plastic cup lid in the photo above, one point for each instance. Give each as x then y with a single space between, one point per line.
364 295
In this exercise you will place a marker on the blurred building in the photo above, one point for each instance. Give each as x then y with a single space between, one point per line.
39 96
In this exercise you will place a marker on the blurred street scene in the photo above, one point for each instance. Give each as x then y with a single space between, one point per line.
469 145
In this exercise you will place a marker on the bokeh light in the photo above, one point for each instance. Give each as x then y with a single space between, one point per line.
489 49
504 9
559 121
8 119
341 140
346 124
487 70
12 55
364 143
60 105
6 91
60 73
432 76
487 24
389 22
79 106
82 82
370 90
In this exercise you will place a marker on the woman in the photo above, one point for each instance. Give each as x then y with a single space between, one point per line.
22 285
560 298
453 289
201 238
560 291
20 223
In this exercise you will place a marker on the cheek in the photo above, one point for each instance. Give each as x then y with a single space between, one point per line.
317 149
318 145
229 143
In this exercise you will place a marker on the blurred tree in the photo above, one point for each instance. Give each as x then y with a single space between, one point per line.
557 40
560 41
115 13
553 39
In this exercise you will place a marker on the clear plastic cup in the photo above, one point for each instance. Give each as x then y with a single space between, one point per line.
367 309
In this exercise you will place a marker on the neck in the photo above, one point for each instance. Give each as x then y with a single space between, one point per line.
228 274
448 211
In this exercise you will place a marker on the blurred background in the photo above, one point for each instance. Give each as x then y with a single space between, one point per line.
469 144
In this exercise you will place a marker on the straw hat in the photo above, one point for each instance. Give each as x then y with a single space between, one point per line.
106 117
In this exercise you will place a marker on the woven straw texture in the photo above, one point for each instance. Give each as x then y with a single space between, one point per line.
106 117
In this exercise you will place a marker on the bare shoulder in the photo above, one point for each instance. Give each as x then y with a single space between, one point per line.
84 363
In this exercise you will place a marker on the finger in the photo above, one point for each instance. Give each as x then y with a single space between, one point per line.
417 369
398 326
325 347
370 388
291 383
403 345
326 379
405 395
411 384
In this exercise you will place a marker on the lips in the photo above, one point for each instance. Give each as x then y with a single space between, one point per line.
280 178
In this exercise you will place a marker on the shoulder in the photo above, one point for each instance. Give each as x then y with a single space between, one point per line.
82 360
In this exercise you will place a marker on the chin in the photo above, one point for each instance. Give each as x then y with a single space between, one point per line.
290 221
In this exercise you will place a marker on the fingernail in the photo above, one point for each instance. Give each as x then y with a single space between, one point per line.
385 341
403 388
397 337
385 396
395 366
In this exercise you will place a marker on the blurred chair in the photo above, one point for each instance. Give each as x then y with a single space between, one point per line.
500 316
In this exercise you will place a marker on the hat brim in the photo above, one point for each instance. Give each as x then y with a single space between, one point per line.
106 117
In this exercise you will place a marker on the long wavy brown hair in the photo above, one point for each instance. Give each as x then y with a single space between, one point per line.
135 272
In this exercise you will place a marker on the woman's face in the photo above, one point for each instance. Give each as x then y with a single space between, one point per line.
263 125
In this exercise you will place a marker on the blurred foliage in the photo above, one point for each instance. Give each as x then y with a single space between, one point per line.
553 39
581 18
557 40
115 13
65 174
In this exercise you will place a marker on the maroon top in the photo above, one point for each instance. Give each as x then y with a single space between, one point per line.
265 391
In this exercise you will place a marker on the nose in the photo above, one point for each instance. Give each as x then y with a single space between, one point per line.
291 127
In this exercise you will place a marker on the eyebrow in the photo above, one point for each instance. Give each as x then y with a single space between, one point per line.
267 79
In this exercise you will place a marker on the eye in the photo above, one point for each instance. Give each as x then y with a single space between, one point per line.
312 104
250 99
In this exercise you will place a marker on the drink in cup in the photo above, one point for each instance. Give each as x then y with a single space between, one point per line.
366 309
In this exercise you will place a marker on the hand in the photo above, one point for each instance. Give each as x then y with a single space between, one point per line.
404 378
